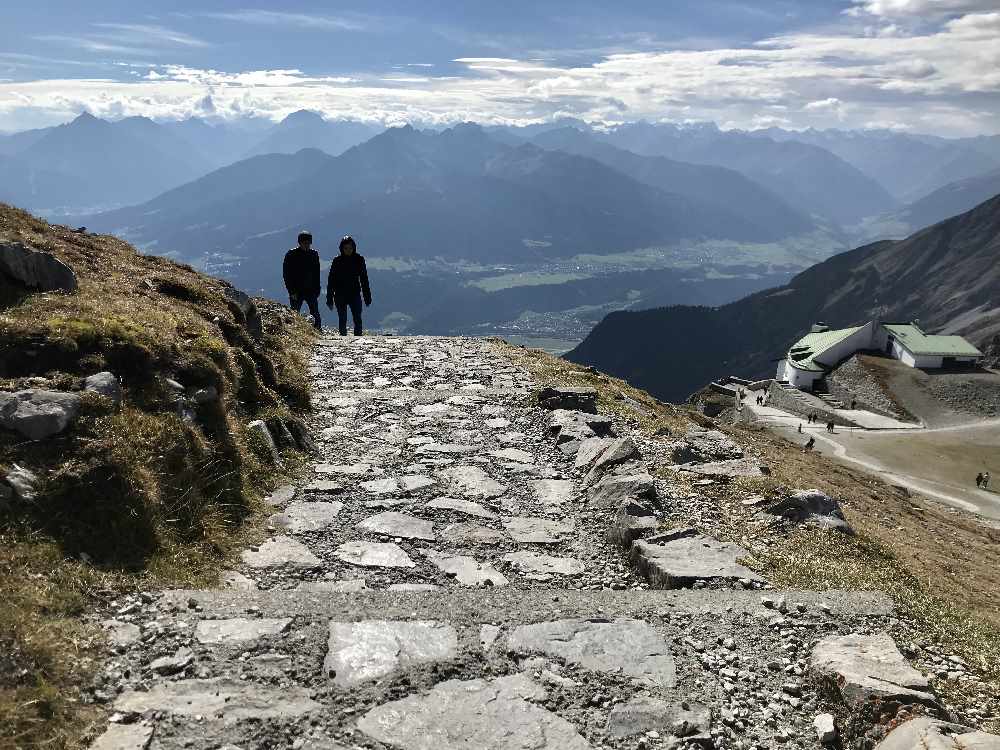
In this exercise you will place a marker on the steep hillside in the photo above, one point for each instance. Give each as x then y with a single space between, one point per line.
455 194
769 214
129 451
947 276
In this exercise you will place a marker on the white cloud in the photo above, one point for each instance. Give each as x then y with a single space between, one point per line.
919 8
943 79
136 32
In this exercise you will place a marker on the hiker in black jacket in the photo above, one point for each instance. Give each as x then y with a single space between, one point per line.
301 273
348 284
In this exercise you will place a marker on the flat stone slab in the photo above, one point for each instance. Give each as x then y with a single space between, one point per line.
124 737
613 489
735 467
403 525
682 561
466 570
299 518
553 494
448 449
345 469
234 580
471 481
923 732
282 495
381 486
471 533
367 650
533 562
374 555
352 584
621 645
415 482
220 698
324 486
418 587
461 506
239 629
866 667
280 551
643 714
514 454
121 633
464 714
528 529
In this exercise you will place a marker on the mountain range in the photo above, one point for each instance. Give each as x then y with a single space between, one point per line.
945 275
457 194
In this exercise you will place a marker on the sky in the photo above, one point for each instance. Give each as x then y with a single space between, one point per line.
927 66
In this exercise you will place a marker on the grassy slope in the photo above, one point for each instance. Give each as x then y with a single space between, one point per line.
134 497
942 568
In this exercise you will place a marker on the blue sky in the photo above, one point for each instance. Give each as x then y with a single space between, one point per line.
924 65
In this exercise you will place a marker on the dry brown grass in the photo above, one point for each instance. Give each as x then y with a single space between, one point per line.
942 568
147 497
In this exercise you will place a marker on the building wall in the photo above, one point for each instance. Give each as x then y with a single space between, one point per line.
860 339
801 379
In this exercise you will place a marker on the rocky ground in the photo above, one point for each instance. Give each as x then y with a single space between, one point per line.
477 563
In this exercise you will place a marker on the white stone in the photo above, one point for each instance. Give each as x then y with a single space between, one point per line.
403 525
367 650
533 562
300 517
124 737
374 555
471 481
239 629
279 551
536 530
466 570
514 454
219 698
461 506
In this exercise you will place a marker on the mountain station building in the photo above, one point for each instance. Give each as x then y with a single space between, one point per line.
823 348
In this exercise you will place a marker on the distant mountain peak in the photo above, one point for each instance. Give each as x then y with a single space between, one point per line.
85 118
303 116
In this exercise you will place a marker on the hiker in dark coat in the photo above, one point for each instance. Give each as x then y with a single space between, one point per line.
302 278
979 479
347 285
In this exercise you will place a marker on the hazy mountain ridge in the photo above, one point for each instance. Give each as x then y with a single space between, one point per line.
945 275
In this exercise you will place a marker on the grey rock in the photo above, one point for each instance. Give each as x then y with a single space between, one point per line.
239 629
471 533
105 384
205 395
121 633
924 732
459 505
353 584
362 651
388 486
705 445
515 455
734 467
619 646
35 270
38 414
613 489
590 450
634 520
22 482
619 451
415 482
135 736
323 487
351 470
374 555
826 729
282 495
245 310
553 494
862 668
569 398
488 635
299 517
809 506
536 530
681 562
259 429
471 481
577 426
220 698
465 570
497 714
643 714
418 587
533 562
448 449
280 551
403 525
233 580
178 662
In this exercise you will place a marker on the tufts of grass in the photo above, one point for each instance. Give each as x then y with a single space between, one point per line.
153 493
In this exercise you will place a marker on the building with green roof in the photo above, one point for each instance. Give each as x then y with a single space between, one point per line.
822 349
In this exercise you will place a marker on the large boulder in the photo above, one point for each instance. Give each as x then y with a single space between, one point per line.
105 384
923 732
680 559
613 489
809 506
634 520
19 484
566 397
35 270
571 428
245 310
868 669
700 445
38 414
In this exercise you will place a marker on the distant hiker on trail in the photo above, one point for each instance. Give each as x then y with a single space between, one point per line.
854 403
800 428
986 481
979 479
301 274
809 444
348 284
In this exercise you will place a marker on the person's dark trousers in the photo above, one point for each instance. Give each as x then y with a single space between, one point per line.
355 305
295 302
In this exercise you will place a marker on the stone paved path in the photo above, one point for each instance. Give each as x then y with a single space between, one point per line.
445 580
